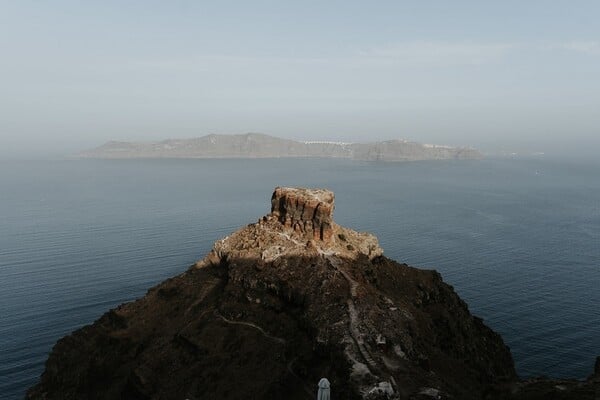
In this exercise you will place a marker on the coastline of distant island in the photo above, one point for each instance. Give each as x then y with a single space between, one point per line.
257 145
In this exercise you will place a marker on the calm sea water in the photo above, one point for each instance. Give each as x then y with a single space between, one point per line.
518 239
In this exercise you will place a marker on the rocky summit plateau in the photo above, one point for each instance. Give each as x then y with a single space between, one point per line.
256 145
283 302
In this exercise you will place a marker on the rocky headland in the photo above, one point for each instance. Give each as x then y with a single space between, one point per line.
283 302
256 145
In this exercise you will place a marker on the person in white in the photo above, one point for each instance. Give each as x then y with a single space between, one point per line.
324 387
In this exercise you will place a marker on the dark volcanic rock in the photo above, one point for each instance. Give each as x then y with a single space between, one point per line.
270 311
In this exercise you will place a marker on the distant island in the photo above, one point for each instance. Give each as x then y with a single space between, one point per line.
256 145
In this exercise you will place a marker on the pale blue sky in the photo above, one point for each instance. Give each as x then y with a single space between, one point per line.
509 75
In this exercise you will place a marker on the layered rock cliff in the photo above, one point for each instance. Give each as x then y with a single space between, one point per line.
281 303
255 145
305 211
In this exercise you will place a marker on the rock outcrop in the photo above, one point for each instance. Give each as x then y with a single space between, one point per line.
306 211
274 307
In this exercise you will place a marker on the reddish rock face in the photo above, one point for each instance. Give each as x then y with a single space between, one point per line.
306 211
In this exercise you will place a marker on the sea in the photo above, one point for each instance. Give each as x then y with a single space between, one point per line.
518 239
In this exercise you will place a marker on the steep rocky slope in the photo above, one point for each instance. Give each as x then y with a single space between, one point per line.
281 303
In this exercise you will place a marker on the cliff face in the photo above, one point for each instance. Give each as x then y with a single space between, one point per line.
254 145
305 211
281 303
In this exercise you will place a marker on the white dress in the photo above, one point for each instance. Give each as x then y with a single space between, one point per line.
324 387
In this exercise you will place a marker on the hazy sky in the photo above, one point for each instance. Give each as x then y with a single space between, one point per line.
495 75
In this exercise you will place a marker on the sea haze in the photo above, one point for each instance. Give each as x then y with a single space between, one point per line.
518 240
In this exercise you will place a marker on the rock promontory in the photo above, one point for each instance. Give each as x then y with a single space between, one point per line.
307 211
278 305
